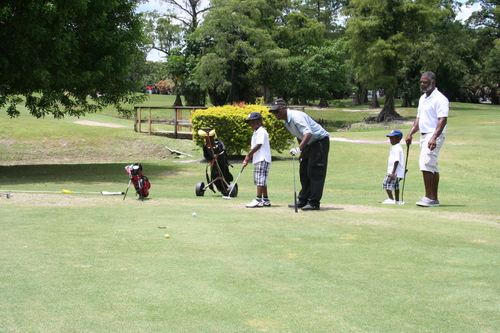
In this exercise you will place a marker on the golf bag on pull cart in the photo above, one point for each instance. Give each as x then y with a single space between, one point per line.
214 152
141 182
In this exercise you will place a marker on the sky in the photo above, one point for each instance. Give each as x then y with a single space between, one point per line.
161 6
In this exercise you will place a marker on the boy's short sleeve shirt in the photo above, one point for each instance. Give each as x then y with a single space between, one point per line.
396 154
260 136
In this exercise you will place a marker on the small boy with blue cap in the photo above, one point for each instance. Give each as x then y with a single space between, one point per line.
395 168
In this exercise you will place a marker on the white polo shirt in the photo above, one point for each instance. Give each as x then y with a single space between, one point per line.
430 109
260 136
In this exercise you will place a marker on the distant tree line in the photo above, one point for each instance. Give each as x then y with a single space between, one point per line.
63 57
310 50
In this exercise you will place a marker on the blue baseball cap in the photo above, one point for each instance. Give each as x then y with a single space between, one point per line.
396 133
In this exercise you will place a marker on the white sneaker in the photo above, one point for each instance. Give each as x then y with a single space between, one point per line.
400 202
267 203
255 203
426 202
389 201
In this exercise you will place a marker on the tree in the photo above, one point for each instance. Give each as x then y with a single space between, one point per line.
325 12
486 22
69 57
181 50
318 72
163 34
381 34
237 39
193 9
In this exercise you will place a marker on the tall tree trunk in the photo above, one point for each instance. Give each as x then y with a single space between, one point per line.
233 84
388 112
323 103
495 99
406 101
359 96
374 104
268 95
178 100
406 96
356 100
364 96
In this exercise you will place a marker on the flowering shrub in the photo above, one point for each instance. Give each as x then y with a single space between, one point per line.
230 126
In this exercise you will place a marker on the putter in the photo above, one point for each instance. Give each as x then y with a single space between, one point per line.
234 184
294 181
406 170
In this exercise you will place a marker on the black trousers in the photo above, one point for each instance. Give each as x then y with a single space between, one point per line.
313 171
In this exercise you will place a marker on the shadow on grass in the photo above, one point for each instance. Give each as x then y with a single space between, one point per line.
78 173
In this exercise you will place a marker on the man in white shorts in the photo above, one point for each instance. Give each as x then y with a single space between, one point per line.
432 117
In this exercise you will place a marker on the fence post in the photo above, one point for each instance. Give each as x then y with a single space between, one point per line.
176 118
140 119
135 118
149 120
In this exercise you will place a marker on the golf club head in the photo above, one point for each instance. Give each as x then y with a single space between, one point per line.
290 141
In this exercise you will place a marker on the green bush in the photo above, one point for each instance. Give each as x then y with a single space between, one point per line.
230 126
337 104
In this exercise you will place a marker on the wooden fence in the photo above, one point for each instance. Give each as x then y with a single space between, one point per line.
177 121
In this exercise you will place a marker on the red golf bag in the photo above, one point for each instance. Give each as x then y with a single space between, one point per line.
141 182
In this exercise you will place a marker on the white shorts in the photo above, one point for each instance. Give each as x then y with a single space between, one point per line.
429 158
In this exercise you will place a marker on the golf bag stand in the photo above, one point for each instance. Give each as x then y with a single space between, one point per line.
138 179
219 176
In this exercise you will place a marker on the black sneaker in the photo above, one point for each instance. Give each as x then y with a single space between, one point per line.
300 204
310 207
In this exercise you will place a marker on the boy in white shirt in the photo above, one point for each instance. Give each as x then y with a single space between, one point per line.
260 153
395 168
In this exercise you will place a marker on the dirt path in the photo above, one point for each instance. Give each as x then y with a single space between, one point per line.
95 123
359 141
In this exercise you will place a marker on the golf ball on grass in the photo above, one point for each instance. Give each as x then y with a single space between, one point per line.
194 213
167 236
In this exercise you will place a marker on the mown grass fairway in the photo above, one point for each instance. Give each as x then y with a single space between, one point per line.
93 263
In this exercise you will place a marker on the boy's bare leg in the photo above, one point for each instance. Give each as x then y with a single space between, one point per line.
261 191
389 194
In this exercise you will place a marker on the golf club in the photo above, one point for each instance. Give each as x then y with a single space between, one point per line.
102 192
406 170
234 184
66 192
130 181
294 180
